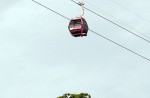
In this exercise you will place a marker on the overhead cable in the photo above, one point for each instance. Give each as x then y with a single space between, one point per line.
50 9
136 14
117 21
97 33
119 45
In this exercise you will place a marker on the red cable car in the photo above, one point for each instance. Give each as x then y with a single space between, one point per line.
78 27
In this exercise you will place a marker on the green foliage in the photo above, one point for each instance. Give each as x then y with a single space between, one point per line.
81 95
60 97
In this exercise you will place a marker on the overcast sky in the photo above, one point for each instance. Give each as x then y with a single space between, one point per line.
40 59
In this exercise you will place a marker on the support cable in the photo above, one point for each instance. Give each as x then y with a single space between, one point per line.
97 33
118 21
50 9
136 14
119 45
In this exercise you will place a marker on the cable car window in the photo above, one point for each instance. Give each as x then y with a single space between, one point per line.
77 22
71 24
74 23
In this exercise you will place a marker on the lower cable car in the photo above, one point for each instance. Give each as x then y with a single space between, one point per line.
78 27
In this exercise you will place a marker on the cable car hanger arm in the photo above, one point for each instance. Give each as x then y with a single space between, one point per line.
82 6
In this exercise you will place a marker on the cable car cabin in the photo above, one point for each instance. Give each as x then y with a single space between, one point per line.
78 27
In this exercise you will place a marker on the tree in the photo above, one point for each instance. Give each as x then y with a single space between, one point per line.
81 95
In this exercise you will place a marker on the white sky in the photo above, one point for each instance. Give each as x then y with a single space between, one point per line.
40 59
